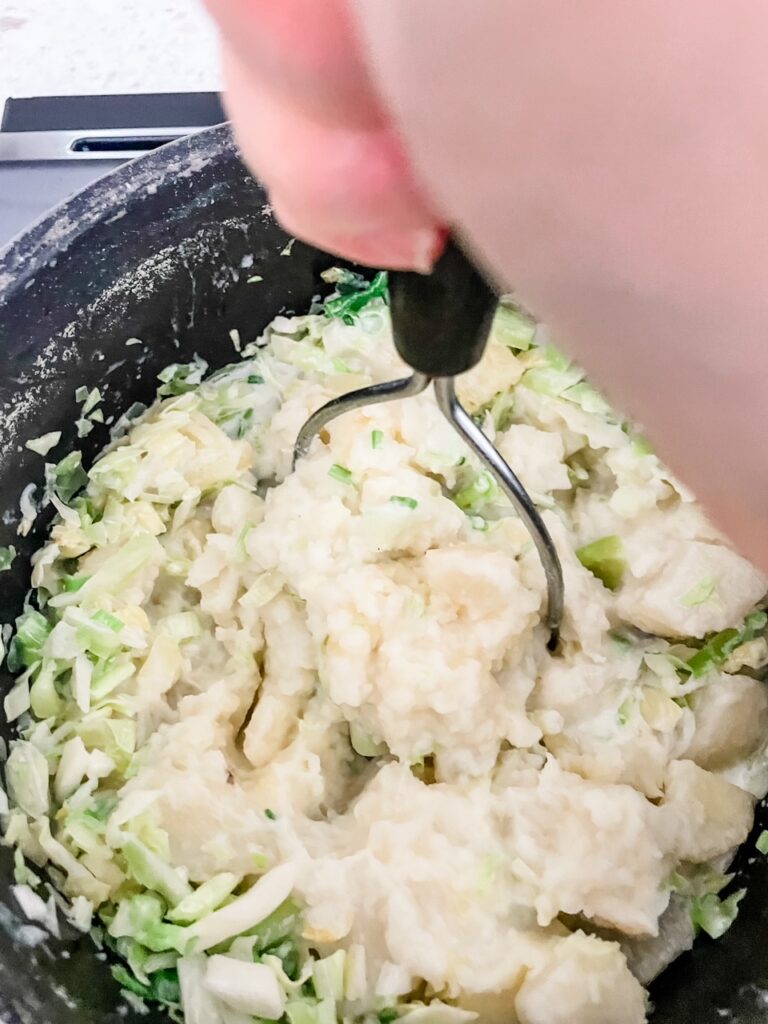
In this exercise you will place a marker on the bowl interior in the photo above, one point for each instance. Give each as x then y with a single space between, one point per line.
163 250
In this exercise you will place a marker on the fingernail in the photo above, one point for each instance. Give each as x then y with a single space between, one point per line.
417 249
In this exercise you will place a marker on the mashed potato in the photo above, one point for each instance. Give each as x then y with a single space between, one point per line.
303 749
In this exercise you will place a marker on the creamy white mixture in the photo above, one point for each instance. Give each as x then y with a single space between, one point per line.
343 686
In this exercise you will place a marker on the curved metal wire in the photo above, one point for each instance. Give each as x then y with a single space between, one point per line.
457 415
388 392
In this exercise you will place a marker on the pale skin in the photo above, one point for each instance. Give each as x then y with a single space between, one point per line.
607 159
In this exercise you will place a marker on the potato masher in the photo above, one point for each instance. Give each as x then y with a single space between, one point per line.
440 324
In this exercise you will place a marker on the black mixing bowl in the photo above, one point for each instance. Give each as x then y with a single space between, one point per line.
161 250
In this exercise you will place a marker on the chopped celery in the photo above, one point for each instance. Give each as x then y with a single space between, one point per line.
7 556
604 559
404 501
714 916
511 327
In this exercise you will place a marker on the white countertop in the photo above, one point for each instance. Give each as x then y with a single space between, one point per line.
66 47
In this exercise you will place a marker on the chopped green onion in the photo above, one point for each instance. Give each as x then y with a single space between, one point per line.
387 1015
353 293
715 651
405 502
377 438
762 842
255 378
270 814
603 558
340 473
7 556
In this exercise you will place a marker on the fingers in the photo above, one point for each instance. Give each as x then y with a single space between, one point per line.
304 52
345 187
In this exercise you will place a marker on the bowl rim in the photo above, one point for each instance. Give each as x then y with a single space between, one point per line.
39 244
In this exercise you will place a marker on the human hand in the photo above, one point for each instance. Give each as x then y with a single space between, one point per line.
604 158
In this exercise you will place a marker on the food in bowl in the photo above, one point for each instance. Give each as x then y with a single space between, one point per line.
292 742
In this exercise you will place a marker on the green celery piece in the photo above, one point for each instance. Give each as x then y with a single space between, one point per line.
603 558
7 556
512 328
714 916
404 501
340 473
762 842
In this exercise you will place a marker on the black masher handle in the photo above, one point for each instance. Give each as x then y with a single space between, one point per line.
441 320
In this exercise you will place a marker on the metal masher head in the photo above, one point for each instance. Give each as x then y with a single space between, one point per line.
440 324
